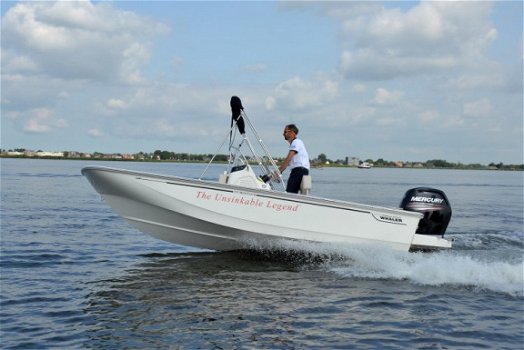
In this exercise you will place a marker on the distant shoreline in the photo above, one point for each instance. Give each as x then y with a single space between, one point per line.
508 167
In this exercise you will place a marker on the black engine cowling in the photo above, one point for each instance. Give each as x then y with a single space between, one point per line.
433 204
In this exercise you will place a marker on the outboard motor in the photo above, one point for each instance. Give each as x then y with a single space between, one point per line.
433 204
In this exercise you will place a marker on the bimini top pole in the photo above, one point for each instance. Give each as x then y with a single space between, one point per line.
264 148
240 117
238 121
218 150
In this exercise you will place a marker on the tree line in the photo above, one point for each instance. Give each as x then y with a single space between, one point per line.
320 160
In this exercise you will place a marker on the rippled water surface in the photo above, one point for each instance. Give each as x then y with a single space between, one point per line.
75 275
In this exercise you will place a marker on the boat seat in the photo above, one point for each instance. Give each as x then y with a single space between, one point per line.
222 179
306 185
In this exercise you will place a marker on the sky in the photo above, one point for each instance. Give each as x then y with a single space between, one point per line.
410 81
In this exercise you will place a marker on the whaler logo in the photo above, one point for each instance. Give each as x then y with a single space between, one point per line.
427 200
390 218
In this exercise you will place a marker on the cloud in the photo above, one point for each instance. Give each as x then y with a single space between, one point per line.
115 103
428 116
298 93
257 67
76 40
479 108
17 64
177 61
165 127
97 133
385 97
490 76
63 56
359 88
43 120
34 126
433 36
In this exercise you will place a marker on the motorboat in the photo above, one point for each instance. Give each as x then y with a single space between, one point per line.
241 207
364 165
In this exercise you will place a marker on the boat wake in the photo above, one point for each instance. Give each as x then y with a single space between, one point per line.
444 268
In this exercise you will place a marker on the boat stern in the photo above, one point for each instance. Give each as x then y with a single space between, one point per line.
429 243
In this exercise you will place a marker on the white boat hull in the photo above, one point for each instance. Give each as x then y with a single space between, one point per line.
224 217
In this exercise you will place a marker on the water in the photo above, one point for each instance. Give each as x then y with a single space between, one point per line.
75 275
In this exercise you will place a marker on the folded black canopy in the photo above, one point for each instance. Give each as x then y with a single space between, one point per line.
236 114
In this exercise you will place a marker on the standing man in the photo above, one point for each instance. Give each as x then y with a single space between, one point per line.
297 159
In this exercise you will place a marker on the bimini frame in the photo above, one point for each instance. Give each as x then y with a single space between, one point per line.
266 163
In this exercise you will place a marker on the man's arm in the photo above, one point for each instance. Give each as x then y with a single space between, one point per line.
286 161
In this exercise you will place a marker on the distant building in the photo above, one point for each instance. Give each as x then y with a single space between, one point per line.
354 161
14 154
50 154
